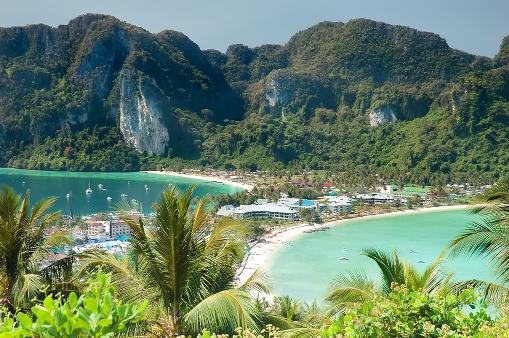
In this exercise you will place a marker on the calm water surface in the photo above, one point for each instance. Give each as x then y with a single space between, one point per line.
304 268
44 184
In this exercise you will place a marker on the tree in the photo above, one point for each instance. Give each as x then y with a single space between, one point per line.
488 238
24 247
184 266
355 286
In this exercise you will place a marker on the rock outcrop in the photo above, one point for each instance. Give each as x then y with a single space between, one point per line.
380 115
276 92
141 119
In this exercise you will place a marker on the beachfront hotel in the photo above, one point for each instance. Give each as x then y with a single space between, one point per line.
262 209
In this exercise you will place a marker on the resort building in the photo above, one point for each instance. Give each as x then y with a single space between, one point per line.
119 228
340 204
98 229
304 204
376 198
107 230
261 209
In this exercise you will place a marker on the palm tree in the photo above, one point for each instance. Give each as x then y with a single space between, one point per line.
24 246
184 266
488 238
356 287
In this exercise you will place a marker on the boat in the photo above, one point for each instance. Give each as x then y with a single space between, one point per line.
421 261
344 249
344 259
146 187
109 198
123 195
412 251
88 191
100 187
68 195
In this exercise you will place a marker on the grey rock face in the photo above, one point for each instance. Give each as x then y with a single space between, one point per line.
278 90
380 115
141 121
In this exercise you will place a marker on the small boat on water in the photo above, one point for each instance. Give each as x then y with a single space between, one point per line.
344 259
344 249
88 191
146 187
123 195
412 251
109 198
100 187
68 195
421 261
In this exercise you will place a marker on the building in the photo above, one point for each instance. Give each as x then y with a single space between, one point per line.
340 204
107 230
304 204
260 209
376 198
119 228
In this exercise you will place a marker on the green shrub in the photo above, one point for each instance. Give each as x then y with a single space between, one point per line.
96 313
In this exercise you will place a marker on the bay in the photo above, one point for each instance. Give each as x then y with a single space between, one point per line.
43 184
305 268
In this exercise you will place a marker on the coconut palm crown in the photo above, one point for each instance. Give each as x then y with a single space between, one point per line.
183 264
24 246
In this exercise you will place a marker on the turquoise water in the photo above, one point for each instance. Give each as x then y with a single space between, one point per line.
44 184
304 268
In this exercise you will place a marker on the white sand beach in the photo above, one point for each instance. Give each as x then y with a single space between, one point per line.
260 252
204 178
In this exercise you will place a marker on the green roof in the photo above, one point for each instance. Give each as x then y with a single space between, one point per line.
421 190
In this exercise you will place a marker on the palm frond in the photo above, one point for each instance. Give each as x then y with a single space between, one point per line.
257 283
351 286
494 293
227 309
27 287
304 332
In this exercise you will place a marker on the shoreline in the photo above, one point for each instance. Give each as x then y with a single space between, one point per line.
247 187
260 252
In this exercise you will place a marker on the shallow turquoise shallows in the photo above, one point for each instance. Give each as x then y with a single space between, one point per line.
44 184
304 268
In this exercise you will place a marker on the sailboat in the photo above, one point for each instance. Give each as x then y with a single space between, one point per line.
88 191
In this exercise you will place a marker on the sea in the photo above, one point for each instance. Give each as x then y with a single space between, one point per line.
305 268
44 184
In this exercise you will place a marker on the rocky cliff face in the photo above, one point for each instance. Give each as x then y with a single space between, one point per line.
141 119
380 115
276 92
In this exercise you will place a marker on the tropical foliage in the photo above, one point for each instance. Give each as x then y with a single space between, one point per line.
25 246
487 239
183 264
96 313
406 313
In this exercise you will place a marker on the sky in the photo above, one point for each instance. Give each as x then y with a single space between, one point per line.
473 26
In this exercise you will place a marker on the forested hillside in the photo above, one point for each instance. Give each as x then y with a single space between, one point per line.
365 96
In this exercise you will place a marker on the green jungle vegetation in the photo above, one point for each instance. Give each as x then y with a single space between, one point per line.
60 93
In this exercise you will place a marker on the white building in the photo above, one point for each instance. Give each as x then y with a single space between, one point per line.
106 230
340 203
260 209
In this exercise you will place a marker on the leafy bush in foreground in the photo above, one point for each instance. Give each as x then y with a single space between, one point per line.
94 314
416 314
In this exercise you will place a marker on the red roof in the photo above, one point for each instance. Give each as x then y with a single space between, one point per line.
327 184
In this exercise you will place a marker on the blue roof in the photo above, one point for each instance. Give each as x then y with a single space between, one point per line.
305 203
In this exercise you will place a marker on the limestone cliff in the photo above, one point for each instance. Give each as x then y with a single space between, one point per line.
380 115
278 88
141 119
